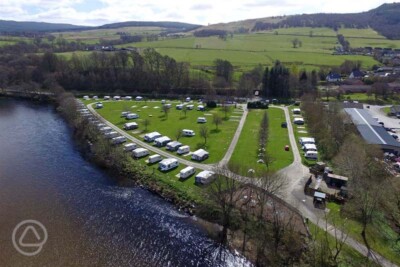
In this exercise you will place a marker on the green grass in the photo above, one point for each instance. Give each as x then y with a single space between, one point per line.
246 151
248 50
386 110
380 236
216 145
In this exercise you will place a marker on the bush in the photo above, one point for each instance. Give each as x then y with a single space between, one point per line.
257 105
211 104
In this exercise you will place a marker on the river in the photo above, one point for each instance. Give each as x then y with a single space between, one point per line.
91 219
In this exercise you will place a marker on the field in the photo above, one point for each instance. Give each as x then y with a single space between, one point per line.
217 143
246 151
94 36
248 50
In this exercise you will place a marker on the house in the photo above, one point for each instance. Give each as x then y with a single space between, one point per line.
356 74
204 177
200 155
319 199
333 78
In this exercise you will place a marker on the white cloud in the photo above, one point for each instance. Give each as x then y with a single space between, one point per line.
192 11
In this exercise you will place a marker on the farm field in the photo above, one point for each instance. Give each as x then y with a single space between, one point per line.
248 50
94 36
246 151
217 142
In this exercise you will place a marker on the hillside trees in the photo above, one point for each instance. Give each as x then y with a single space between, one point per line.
223 73
276 81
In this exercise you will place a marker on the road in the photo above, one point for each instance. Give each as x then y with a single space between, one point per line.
296 173
377 112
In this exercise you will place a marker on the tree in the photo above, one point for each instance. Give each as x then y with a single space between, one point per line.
226 108
217 120
224 69
178 134
296 42
184 110
204 133
146 123
166 110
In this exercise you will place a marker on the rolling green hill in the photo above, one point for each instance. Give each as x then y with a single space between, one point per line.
30 26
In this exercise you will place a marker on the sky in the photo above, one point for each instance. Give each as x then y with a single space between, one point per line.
204 12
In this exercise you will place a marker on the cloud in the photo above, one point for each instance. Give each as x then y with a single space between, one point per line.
95 12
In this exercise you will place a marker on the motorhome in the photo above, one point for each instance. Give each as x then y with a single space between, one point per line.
162 141
131 116
189 107
298 121
150 137
179 106
183 150
128 98
124 113
154 158
110 135
306 140
99 105
117 98
201 120
167 105
106 97
130 126
86 97
139 98
95 97
173 146
200 108
309 147
105 129
187 99
204 177
313 155
187 172
168 164
187 132
118 140
130 147
140 152
200 155
296 111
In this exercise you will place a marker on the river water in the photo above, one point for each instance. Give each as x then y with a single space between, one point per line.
91 219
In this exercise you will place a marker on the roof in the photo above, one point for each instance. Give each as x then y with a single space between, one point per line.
357 73
140 149
202 152
334 76
174 143
337 177
371 131
205 174
167 161
162 139
319 195
152 134
354 88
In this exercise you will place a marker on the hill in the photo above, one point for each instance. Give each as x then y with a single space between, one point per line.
385 20
7 26
161 24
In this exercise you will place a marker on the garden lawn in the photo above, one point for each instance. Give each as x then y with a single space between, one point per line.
217 143
246 152
380 236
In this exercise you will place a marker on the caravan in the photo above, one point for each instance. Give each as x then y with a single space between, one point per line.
150 137
118 140
154 158
162 141
173 146
130 126
129 147
200 155
110 135
131 116
204 177
183 150
168 164
187 132
140 153
309 147
312 155
186 172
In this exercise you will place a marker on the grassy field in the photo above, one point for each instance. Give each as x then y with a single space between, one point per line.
94 36
248 50
217 143
246 151
381 237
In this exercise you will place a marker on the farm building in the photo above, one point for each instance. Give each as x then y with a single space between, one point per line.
351 89
372 132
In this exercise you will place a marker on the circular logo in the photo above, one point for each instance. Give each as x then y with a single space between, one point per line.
29 237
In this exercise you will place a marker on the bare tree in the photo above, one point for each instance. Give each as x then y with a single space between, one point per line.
204 132
146 123
166 110
217 120
178 134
